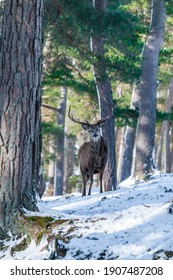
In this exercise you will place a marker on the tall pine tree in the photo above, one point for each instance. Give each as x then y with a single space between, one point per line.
144 156
20 118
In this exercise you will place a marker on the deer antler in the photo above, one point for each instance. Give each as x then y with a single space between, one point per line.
103 119
76 121
107 117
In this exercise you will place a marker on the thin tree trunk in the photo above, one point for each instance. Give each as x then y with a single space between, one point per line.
168 157
159 153
144 161
121 153
129 140
104 92
69 161
51 166
20 96
59 163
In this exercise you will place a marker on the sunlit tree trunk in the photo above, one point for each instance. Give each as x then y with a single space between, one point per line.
168 156
129 140
69 161
59 163
20 102
159 154
104 92
51 166
164 149
144 157
121 147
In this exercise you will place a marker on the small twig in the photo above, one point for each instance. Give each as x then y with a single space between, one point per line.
50 107
169 201
148 206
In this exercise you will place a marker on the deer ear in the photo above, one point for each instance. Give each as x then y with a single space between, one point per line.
85 126
100 125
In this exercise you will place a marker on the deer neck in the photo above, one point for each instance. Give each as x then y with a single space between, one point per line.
95 145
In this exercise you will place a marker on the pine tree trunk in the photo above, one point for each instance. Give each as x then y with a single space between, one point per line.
69 161
59 164
159 153
121 147
144 161
20 118
129 140
168 157
104 92
51 166
1 18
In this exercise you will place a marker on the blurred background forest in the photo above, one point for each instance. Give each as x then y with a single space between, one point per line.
68 79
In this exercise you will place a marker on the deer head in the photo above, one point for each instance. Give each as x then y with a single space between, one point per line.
94 130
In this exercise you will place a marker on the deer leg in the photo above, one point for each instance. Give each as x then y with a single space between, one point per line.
84 181
100 178
91 182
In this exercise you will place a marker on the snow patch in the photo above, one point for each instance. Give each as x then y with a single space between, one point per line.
134 222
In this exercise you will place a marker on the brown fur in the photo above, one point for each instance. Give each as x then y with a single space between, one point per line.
92 157
93 154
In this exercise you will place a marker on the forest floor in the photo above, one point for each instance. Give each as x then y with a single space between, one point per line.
135 222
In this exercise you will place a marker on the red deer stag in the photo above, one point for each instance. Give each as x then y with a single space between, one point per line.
93 154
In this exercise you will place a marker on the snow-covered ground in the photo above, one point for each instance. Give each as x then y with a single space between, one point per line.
134 222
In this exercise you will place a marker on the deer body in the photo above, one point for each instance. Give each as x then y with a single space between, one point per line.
93 154
92 158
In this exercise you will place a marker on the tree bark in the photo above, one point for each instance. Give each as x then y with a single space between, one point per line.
121 147
1 18
159 154
164 150
104 93
69 161
129 140
168 157
59 163
144 158
51 166
20 114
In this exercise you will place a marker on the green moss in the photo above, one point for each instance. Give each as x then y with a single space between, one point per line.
22 245
39 226
45 222
39 236
41 221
